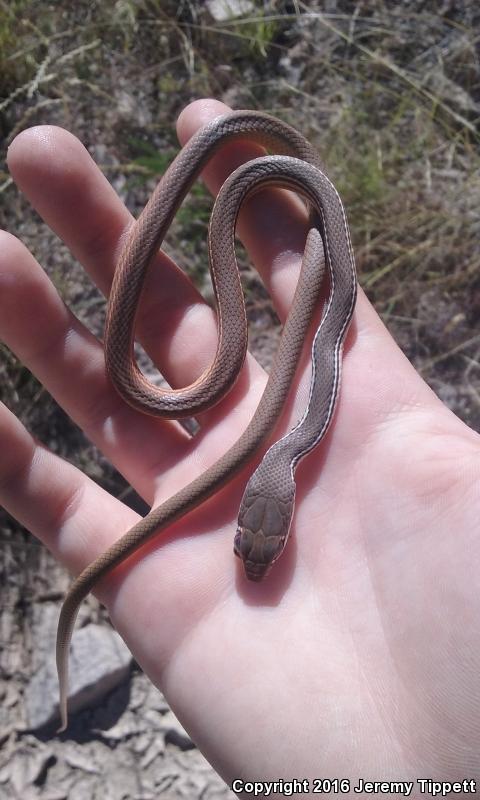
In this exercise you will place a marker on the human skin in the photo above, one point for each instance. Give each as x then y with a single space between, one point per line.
359 655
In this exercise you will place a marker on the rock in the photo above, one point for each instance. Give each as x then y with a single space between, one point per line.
223 10
99 661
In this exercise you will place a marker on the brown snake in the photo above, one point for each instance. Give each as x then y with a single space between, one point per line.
267 506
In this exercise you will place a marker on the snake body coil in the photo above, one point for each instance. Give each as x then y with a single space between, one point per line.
268 503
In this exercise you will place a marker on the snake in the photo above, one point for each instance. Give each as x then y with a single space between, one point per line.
267 507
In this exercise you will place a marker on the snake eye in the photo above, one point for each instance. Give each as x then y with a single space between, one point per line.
236 542
243 542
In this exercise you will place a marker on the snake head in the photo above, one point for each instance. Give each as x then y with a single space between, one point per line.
262 533
257 552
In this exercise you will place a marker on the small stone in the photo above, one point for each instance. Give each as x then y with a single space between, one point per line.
29 768
223 10
175 733
79 762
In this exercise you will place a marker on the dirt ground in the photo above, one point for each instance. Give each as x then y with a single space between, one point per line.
389 93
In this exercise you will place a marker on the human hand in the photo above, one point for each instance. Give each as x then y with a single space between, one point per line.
358 656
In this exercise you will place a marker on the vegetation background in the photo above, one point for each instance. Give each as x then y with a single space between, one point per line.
389 93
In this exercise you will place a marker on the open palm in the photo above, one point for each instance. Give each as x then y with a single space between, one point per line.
359 655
